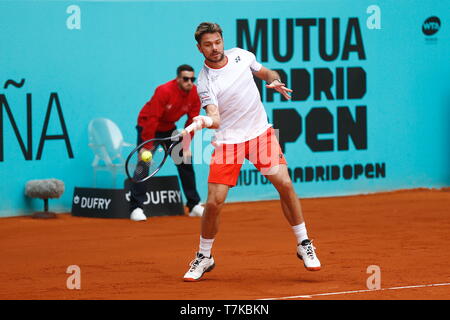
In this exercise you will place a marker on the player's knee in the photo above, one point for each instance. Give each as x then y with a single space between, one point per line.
286 184
214 205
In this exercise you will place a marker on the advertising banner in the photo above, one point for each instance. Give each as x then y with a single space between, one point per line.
369 112
163 199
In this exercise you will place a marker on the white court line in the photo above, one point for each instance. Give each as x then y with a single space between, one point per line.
358 291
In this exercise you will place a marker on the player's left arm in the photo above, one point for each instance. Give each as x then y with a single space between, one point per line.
274 82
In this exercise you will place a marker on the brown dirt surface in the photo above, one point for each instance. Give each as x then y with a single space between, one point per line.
405 233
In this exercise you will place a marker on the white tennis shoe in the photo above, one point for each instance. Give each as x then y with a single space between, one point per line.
138 215
305 252
198 267
197 211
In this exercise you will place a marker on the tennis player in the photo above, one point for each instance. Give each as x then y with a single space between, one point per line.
234 109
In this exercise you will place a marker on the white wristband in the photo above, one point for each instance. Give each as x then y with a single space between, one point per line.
208 121
204 120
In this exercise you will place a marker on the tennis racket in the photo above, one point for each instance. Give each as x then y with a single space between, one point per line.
142 165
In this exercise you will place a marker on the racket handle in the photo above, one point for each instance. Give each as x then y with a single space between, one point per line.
189 128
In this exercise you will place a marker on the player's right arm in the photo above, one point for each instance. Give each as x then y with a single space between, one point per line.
208 101
212 111
211 120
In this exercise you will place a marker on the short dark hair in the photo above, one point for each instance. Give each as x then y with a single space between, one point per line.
184 67
206 27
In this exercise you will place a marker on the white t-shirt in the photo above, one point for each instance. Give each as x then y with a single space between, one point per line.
233 90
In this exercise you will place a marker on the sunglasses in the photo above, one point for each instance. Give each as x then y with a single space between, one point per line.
186 79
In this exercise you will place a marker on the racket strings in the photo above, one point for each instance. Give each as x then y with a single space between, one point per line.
143 169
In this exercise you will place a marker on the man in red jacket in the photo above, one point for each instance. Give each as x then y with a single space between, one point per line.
157 119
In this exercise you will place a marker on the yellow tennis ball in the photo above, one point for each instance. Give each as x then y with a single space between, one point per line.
146 156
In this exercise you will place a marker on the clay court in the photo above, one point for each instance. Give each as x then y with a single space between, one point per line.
405 233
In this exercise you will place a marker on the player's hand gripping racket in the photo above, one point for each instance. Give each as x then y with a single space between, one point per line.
142 164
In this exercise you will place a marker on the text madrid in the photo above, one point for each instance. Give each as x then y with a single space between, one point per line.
251 177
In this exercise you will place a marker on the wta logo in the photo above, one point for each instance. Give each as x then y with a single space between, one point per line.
431 26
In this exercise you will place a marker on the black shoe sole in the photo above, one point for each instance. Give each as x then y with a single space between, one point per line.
210 268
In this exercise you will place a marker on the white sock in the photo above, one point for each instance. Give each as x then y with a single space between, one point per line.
205 246
300 232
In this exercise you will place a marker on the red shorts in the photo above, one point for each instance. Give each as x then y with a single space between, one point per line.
263 151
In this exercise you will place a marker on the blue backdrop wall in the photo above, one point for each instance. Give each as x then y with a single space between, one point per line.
370 110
